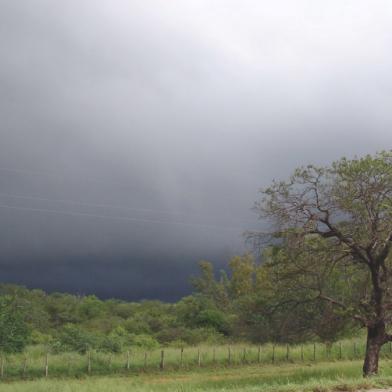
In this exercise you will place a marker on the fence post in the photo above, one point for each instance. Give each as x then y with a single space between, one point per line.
229 355
162 363
259 355
287 352
213 356
89 362
145 360
69 365
273 353
128 361
198 358
46 364
340 350
2 366
24 368
244 355
355 349
302 352
181 356
314 351
390 347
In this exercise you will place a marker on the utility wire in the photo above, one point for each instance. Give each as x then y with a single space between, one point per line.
81 203
122 218
100 205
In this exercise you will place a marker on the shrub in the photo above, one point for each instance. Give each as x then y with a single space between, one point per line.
73 338
144 341
14 332
111 343
38 337
202 335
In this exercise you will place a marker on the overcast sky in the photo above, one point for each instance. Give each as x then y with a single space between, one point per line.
135 134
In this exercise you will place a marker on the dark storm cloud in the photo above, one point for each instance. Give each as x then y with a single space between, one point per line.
179 111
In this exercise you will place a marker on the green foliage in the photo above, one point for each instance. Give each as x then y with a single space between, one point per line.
14 332
73 338
144 341
39 338
112 343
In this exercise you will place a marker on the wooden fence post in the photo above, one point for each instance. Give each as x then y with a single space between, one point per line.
229 355
355 349
24 367
2 366
259 355
287 352
145 360
198 357
244 355
213 356
46 364
273 353
89 362
181 356
340 350
128 361
314 351
302 352
162 363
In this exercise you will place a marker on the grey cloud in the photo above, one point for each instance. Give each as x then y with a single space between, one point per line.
181 108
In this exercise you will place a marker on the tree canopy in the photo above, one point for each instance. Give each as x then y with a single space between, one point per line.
336 221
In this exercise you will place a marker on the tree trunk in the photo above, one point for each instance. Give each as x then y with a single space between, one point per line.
376 337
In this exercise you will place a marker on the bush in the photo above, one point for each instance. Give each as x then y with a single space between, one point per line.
111 343
144 341
14 332
202 335
136 325
115 341
168 335
73 338
40 338
213 318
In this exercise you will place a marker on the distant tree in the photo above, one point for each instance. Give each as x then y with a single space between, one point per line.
73 338
242 280
337 221
217 290
14 332
200 311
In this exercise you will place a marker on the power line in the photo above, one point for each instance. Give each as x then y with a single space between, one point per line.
122 218
103 205
99 205
81 203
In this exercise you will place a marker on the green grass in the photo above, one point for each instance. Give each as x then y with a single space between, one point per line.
318 377
30 365
247 370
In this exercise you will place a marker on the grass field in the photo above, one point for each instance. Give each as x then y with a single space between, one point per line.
31 364
206 368
318 377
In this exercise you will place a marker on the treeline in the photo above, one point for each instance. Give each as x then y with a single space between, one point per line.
243 304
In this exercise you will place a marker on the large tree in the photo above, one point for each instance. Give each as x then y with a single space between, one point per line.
338 220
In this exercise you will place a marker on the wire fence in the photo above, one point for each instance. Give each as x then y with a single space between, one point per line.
37 364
